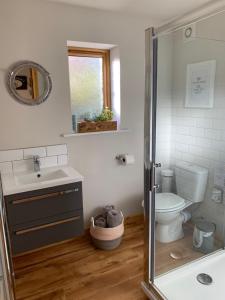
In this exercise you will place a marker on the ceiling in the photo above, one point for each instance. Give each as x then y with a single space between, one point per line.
161 10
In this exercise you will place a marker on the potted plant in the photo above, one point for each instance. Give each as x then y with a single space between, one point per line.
102 122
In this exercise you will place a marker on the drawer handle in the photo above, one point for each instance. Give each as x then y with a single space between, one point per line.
24 231
40 197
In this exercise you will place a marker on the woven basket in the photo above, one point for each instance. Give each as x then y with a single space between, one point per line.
106 238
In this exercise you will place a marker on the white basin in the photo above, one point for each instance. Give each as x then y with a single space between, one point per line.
39 177
14 183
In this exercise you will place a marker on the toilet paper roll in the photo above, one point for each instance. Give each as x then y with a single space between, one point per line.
127 159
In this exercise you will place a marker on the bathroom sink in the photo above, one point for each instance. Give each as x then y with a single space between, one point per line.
20 182
40 177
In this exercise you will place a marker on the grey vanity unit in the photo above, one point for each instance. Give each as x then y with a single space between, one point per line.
44 216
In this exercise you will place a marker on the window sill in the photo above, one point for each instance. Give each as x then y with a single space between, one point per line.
67 135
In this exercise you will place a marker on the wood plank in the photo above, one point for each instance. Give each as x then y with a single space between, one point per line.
76 270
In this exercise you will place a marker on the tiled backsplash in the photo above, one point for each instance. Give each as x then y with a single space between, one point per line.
21 160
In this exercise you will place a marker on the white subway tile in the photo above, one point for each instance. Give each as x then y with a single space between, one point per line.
205 152
23 165
219 124
62 160
6 167
223 135
222 157
218 145
50 161
182 130
164 111
182 147
178 121
196 113
56 150
188 112
165 103
183 139
180 112
161 138
187 157
204 162
163 123
30 152
196 150
9 155
197 132
203 142
204 123
164 157
177 102
211 154
172 146
220 101
214 113
213 134
176 155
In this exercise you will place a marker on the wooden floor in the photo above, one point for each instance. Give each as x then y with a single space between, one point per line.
75 270
181 249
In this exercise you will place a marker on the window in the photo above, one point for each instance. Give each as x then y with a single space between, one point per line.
89 72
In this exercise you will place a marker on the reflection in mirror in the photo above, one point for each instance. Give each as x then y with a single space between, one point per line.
29 83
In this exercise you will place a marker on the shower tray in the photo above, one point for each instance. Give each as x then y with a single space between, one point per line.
183 282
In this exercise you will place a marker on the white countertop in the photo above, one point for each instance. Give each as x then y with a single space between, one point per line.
10 184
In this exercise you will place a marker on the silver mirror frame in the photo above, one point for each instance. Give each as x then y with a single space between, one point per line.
11 79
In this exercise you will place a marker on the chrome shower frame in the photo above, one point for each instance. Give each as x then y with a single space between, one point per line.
150 165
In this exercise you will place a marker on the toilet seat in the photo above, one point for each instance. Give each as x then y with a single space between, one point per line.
168 202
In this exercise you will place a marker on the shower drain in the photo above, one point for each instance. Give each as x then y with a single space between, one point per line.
204 279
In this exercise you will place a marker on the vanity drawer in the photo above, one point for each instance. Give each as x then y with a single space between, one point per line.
35 205
38 236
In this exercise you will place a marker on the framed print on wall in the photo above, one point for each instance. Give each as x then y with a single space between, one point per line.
200 84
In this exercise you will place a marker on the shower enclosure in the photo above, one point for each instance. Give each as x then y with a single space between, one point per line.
185 139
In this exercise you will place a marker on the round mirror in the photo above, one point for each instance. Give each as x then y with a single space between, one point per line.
29 83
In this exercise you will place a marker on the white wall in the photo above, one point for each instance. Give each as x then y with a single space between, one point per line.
38 31
198 135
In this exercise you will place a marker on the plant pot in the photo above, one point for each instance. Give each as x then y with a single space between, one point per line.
86 126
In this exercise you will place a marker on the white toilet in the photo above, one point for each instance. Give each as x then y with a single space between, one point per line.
191 182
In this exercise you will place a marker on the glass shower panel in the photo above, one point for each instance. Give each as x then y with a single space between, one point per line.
190 145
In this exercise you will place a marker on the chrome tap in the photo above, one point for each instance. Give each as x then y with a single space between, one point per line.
37 163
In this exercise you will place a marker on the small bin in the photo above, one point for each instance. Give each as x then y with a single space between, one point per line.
106 238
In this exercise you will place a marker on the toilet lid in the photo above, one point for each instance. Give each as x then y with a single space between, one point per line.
168 201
